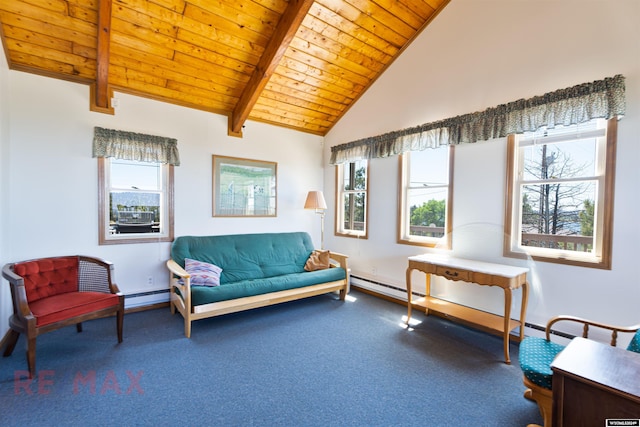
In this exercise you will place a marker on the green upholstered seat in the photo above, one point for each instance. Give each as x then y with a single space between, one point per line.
536 355
245 288
634 345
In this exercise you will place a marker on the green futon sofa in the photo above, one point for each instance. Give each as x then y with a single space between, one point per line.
215 275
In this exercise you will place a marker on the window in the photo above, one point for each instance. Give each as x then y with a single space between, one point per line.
425 197
136 201
352 201
559 205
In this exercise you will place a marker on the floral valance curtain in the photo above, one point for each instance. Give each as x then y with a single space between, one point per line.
577 104
135 146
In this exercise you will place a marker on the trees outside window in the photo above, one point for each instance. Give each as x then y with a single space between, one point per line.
425 197
351 199
560 194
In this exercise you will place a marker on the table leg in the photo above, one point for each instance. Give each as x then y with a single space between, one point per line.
427 286
409 294
523 307
507 318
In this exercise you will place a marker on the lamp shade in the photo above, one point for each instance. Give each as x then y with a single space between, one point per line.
315 200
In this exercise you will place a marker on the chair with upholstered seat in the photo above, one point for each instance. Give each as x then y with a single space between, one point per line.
536 355
51 293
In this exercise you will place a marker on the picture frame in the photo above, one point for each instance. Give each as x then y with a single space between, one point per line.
244 187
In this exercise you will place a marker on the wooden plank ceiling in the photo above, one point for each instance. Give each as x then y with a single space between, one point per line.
294 63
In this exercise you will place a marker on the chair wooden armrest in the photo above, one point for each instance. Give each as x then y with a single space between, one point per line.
18 294
342 262
587 323
175 269
176 272
340 258
182 300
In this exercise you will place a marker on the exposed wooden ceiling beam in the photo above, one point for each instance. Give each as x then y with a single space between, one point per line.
100 94
284 33
202 54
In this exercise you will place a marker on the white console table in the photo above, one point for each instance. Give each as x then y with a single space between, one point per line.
482 273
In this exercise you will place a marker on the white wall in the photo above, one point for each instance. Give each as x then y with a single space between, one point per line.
52 198
476 55
5 295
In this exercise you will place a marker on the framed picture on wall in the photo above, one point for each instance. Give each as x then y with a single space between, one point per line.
244 187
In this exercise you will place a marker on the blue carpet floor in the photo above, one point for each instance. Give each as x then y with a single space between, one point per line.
314 362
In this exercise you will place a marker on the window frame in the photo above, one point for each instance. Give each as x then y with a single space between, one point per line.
104 238
603 225
339 205
402 216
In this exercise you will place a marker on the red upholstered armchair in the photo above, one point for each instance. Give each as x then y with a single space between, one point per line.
51 293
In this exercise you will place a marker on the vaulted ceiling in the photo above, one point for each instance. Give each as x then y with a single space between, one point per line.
294 63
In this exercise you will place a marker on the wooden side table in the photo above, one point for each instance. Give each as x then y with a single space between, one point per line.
482 273
594 382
